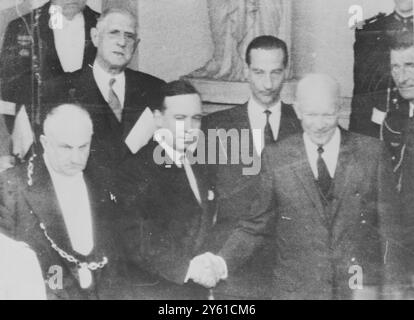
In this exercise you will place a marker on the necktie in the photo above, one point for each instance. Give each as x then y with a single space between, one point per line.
191 178
324 179
268 133
113 101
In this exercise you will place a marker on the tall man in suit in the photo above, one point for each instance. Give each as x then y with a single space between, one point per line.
327 206
59 32
263 120
168 201
114 95
64 212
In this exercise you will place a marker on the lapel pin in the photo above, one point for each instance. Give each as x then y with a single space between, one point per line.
210 195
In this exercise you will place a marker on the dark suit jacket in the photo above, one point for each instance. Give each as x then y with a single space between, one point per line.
235 193
16 54
109 135
165 226
314 246
24 208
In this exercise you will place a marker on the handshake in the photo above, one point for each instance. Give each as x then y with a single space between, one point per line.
207 270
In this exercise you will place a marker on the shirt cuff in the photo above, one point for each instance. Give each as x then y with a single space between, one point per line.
223 267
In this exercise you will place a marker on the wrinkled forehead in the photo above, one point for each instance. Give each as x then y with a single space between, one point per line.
120 21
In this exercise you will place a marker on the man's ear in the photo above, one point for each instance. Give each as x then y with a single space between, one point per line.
297 110
246 70
158 118
43 141
94 36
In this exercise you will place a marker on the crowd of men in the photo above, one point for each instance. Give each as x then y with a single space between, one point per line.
327 215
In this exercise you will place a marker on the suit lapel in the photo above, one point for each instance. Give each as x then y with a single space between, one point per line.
43 202
345 169
289 123
304 173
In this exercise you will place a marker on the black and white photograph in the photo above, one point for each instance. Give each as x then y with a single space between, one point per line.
202 150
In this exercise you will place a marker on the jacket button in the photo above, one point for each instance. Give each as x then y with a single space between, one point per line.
353 259
363 222
357 194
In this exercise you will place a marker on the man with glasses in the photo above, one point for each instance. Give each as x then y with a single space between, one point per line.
114 95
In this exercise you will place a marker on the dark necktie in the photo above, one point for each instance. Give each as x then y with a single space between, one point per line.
113 101
268 133
324 179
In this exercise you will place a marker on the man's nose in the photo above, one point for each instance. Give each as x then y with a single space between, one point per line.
268 82
76 156
121 41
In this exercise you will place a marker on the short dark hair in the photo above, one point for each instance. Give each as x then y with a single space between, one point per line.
401 41
175 88
268 43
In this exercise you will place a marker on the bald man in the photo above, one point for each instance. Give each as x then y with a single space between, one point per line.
64 212
326 207
114 95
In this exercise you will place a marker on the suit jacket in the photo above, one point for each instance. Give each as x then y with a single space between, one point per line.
16 54
314 245
109 134
165 226
235 193
24 208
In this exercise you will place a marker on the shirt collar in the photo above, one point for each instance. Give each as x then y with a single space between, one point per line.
78 18
331 145
173 154
104 76
256 108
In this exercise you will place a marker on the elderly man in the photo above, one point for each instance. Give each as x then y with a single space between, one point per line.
63 45
20 274
166 195
114 95
63 212
327 205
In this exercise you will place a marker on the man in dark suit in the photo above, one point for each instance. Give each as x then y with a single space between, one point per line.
260 121
327 206
62 44
372 77
114 95
168 201
65 213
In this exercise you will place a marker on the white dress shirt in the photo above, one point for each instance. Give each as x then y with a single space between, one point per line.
69 38
20 274
102 79
73 199
257 120
330 154
411 109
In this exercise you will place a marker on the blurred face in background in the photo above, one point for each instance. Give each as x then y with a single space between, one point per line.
404 7
70 8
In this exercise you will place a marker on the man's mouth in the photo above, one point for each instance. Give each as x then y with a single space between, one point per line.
119 54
